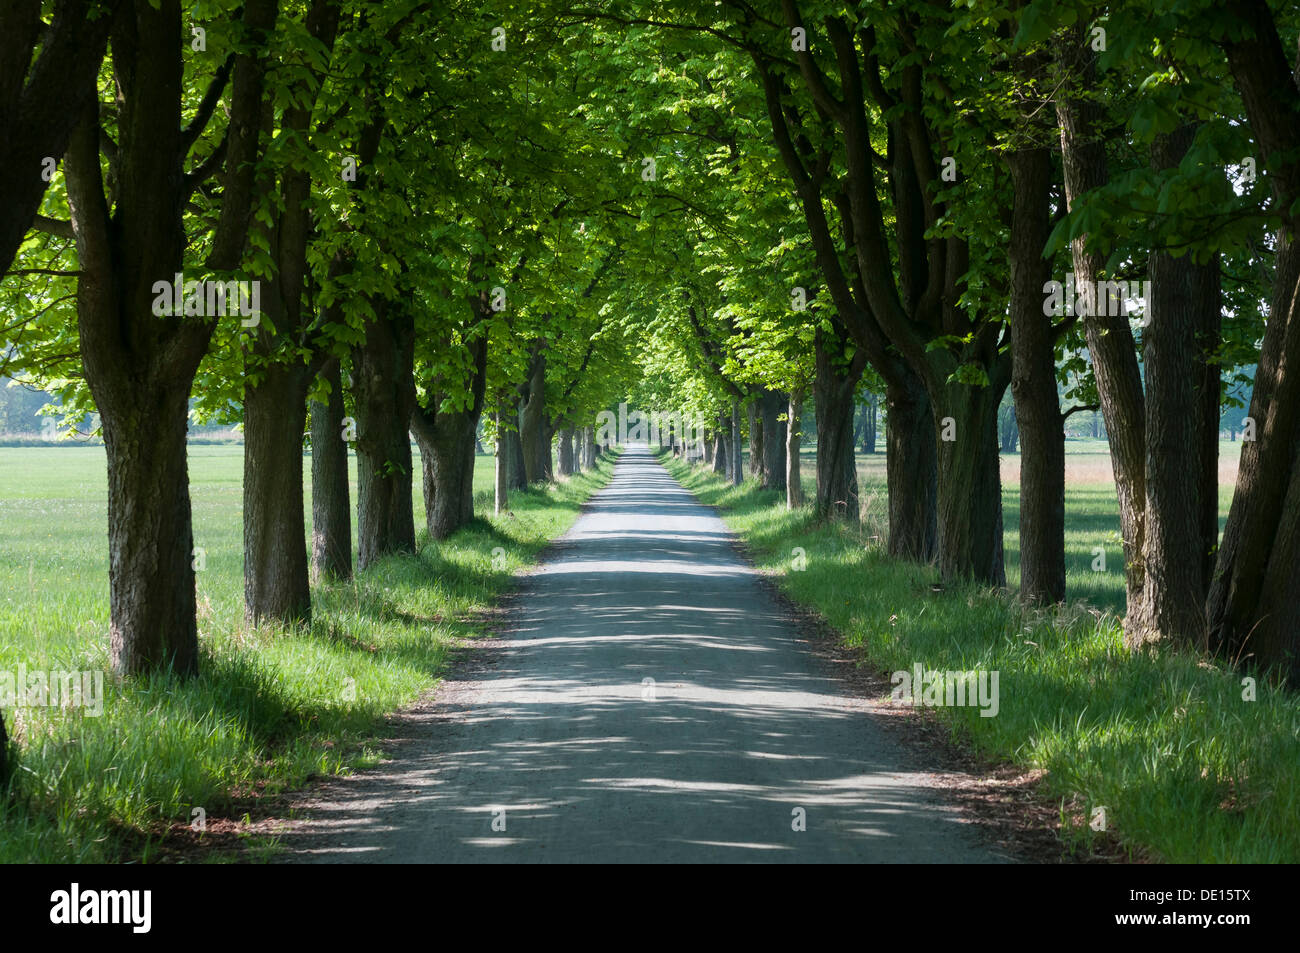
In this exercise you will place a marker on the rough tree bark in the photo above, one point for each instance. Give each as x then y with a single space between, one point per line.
501 481
516 476
150 534
1252 608
793 486
910 448
566 451
722 448
447 437
1110 340
534 428
969 487
735 468
140 366
384 393
1033 383
277 583
771 405
1182 431
903 305
447 469
833 389
331 505
42 96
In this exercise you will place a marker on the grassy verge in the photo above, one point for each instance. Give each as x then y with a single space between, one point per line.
1092 512
271 707
1185 767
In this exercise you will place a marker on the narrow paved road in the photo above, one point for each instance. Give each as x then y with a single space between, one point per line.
590 760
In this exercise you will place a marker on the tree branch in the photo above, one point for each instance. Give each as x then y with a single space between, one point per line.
208 105
53 226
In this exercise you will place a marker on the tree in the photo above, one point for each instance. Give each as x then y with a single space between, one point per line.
1251 607
1110 340
278 375
331 541
139 365
47 81
1164 436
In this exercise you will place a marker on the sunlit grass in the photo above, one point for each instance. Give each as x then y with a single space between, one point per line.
1186 768
1091 508
271 706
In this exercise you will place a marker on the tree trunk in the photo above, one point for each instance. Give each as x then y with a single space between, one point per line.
1008 427
277 585
447 440
331 506
589 447
836 469
793 487
385 394
447 465
722 449
548 455
501 483
969 487
140 369
534 429
736 464
49 78
566 452
833 389
140 366
1033 384
150 531
911 471
1252 608
1110 340
870 425
1182 450
516 476
757 458
277 582
772 404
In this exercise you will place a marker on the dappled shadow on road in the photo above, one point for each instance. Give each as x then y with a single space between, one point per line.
648 703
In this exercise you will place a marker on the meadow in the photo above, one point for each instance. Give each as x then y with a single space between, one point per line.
1185 760
1091 512
1185 767
272 706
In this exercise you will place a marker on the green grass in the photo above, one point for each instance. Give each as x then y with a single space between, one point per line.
1092 513
271 706
1187 770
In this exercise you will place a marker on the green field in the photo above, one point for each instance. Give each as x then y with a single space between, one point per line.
1186 770
271 706
1186 766
1091 512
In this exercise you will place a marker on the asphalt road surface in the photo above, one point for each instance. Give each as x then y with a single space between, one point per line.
647 703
